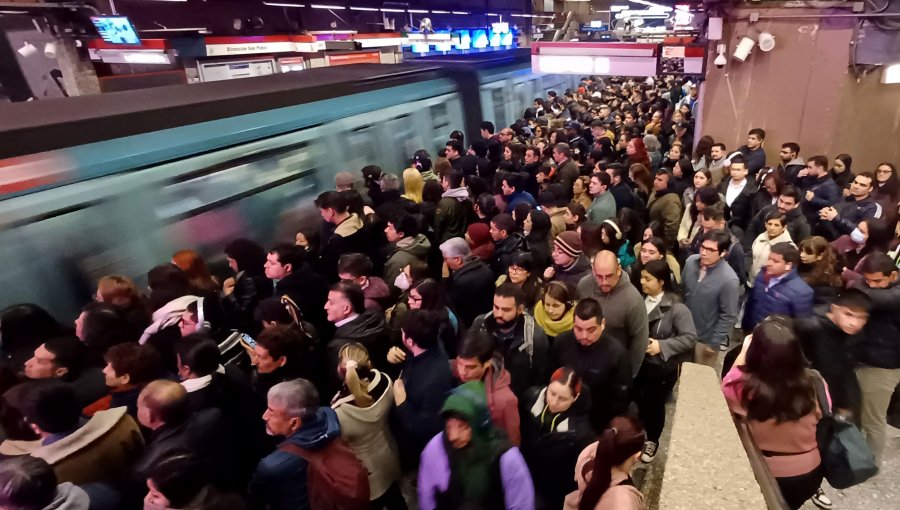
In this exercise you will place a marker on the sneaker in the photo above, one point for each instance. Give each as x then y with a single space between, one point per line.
649 452
819 499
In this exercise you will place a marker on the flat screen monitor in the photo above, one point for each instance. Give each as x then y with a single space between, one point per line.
116 29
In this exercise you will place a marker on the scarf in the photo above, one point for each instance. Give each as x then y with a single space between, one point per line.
460 194
471 466
553 328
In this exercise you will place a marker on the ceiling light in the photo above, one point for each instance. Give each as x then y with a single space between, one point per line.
370 9
332 7
282 4
440 12
417 11
460 13
391 10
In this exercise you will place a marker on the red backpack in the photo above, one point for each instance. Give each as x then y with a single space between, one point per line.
336 478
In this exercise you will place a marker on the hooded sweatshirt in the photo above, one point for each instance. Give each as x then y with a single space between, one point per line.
406 251
501 401
69 497
480 241
376 294
167 316
279 482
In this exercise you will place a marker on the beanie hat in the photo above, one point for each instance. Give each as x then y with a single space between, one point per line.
479 233
569 243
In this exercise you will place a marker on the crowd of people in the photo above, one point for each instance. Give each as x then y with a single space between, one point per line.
500 325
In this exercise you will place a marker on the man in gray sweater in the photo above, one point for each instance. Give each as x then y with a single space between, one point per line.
623 307
711 293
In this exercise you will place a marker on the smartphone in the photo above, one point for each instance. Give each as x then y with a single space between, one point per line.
248 340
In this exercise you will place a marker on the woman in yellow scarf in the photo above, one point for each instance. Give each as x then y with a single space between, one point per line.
555 313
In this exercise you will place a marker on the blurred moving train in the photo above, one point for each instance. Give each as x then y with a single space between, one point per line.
116 183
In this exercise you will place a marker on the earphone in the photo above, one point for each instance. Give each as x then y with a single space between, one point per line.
615 227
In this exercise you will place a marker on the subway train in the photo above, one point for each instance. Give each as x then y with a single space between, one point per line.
116 183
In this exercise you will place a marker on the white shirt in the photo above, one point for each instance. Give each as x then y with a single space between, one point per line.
651 302
192 385
733 191
345 321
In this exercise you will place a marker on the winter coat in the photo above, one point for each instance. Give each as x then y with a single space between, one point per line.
665 207
850 213
825 193
760 249
470 290
672 325
621 495
377 295
551 452
350 236
506 250
797 226
713 302
101 450
624 196
427 379
791 169
392 205
603 207
280 480
791 296
741 207
557 222
524 349
878 346
405 252
238 306
519 197
168 315
566 173
502 402
624 313
453 214
573 274
434 476
367 432
605 369
308 289
755 159
828 350
367 329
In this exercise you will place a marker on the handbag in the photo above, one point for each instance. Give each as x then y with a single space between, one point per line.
846 458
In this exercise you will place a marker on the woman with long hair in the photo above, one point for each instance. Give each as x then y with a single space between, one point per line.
122 293
575 215
555 429
771 184
683 172
536 229
672 340
887 184
195 269
427 294
702 155
651 143
555 312
819 268
525 274
603 469
591 240
413 183
842 172
867 237
643 183
580 193
703 197
637 153
654 248
770 386
702 179
243 292
363 406
478 236
612 239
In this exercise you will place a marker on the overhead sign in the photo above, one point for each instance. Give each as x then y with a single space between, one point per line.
609 59
362 57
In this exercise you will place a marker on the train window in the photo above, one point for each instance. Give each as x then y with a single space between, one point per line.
440 118
498 95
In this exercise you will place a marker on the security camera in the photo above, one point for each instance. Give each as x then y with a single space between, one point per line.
50 50
766 41
720 60
27 49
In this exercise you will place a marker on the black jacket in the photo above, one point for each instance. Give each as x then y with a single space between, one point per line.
506 250
878 346
850 213
531 184
393 204
369 330
359 241
308 290
742 205
624 196
828 350
470 290
427 379
238 306
825 193
524 349
604 367
797 227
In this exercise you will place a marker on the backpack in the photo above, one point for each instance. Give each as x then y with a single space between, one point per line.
336 478
846 458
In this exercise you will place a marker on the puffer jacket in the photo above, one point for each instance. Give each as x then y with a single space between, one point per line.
791 296
406 251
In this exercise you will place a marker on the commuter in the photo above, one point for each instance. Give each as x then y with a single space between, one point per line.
852 248
122 293
100 450
295 278
198 364
170 295
350 235
424 383
878 354
454 211
581 191
787 203
554 205
580 147
101 326
555 312
841 172
887 185
507 243
819 191
653 248
362 406
569 263
478 236
357 268
523 273
682 184
392 202
790 163
470 465
753 152
673 340
844 217
619 188
778 288
129 367
533 164
609 462
478 360
242 293
197 273
819 269
776 232
414 178
521 342
770 185
603 206
600 361
555 430
717 166
65 358
353 323
181 480
513 187
566 169
30 484
770 386
712 294
738 192
293 412
612 239
536 229
407 245
664 206
624 313
471 282
713 218
276 357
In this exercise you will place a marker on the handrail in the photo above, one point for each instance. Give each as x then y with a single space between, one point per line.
767 483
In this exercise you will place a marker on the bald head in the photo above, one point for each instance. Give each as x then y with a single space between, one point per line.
607 271
162 403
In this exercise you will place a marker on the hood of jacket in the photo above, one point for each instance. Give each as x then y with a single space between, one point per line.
168 315
316 434
375 412
69 497
377 289
497 377
349 226
418 246
366 325
460 194
579 408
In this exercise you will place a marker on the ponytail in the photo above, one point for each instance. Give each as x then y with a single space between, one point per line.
624 438
356 360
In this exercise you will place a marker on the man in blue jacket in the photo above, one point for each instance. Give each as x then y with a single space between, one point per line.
293 412
778 289
845 216
513 187
819 189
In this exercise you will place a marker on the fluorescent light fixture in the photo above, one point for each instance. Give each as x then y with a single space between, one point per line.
891 74
521 15
460 13
440 12
370 9
282 4
145 57
417 11
392 10
492 14
332 7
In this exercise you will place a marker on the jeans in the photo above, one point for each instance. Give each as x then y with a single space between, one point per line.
652 388
877 386
797 489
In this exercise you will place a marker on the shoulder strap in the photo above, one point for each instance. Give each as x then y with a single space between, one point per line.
296 450
821 395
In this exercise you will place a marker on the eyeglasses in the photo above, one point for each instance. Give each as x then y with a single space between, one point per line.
884 171
517 269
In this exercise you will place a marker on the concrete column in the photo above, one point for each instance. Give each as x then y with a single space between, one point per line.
79 76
